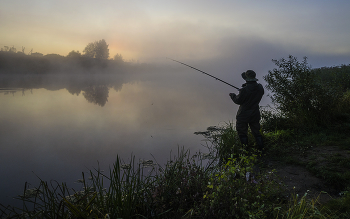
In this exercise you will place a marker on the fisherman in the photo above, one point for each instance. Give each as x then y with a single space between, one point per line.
248 99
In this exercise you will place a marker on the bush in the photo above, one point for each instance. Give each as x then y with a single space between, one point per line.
272 120
179 186
306 98
235 191
224 141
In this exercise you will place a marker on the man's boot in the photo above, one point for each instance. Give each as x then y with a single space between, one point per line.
260 143
244 139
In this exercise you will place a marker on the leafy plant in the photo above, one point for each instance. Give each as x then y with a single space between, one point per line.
237 191
179 187
301 95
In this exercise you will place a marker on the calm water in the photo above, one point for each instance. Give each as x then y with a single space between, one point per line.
56 127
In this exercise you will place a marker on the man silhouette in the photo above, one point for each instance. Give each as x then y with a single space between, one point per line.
248 99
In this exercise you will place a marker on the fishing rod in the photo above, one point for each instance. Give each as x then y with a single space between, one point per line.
204 73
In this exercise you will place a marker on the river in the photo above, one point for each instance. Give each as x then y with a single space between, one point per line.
56 127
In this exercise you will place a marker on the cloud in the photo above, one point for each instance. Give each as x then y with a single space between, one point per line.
196 30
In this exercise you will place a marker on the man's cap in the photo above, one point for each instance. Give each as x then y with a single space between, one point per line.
249 75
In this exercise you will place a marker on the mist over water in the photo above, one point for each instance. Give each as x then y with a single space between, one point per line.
57 126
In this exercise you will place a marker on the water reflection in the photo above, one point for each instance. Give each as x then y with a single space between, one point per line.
74 90
94 89
96 94
64 124
6 91
12 91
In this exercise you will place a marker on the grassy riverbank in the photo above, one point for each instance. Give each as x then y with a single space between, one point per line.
240 184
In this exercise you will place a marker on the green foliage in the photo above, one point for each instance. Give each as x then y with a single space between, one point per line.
291 85
43 201
278 137
343 108
236 192
180 186
335 174
302 208
224 142
273 119
336 76
124 198
339 207
304 97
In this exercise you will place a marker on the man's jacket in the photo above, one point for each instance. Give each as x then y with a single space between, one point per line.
249 98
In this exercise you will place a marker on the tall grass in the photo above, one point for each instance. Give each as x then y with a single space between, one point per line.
302 208
221 185
126 192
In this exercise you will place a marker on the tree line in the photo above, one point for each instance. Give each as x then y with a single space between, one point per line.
98 49
95 57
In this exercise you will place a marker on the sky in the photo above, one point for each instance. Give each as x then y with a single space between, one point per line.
150 30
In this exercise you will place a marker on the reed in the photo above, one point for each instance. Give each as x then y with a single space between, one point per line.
220 184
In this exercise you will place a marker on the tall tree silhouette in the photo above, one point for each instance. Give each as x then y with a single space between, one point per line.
97 49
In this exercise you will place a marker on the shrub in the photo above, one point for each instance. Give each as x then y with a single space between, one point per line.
272 120
235 191
180 186
304 97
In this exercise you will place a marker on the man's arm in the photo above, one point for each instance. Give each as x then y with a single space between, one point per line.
238 99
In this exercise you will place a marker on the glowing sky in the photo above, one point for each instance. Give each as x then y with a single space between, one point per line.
150 30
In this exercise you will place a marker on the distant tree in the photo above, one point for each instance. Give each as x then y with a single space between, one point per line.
54 56
9 49
102 51
118 58
37 54
5 49
97 49
74 54
89 50
12 49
